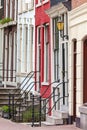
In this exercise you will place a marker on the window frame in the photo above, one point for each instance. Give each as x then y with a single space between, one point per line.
56 49
46 53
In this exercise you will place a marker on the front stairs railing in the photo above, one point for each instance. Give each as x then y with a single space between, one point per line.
40 108
17 106
44 108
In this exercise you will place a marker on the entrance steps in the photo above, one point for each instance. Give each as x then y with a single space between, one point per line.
59 117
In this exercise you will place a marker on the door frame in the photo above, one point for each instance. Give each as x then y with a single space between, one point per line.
84 86
74 78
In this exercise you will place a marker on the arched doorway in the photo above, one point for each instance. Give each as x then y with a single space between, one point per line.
85 71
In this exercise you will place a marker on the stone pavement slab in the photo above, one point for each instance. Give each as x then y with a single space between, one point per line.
9 125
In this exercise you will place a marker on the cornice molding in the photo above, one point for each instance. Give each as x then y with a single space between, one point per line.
56 10
11 23
78 15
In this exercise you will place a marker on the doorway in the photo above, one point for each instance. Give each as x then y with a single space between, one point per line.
85 71
74 80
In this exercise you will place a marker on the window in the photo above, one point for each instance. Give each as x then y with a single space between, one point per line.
5 60
31 45
11 9
39 41
46 49
10 57
15 55
31 4
6 8
0 3
19 6
56 49
16 10
20 48
38 53
25 46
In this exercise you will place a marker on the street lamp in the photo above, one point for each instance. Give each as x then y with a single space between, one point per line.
60 26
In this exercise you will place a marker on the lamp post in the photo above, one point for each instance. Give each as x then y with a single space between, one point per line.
60 26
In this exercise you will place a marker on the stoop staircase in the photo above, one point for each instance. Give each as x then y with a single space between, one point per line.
4 94
59 117
51 115
24 100
21 99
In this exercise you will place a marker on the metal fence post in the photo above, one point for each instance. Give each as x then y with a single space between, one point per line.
40 111
9 104
13 107
32 110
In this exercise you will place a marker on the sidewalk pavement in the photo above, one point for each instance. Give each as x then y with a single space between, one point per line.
6 124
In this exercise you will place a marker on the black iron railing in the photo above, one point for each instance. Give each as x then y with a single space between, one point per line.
22 90
43 109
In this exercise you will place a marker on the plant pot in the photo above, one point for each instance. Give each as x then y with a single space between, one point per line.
5 115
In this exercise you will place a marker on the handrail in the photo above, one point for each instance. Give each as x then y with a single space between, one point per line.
23 89
26 78
43 111
55 103
48 88
55 89
20 105
28 90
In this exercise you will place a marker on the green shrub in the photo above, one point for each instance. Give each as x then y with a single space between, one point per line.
5 20
27 115
5 108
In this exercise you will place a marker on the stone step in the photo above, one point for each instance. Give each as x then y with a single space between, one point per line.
47 123
4 95
9 91
54 120
60 113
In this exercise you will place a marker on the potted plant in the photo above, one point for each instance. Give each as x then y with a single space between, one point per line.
5 111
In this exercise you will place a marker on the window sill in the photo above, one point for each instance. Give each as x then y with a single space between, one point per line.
45 83
44 2
39 4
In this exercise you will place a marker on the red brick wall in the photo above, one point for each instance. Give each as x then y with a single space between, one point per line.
41 16
76 3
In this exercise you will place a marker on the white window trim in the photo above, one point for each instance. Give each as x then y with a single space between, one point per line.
45 1
6 8
45 83
10 9
45 52
0 2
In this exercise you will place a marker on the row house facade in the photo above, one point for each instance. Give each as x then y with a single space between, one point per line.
31 41
8 32
42 47
25 39
77 58
51 53
59 53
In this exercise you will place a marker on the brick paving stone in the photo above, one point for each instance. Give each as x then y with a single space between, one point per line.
6 124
